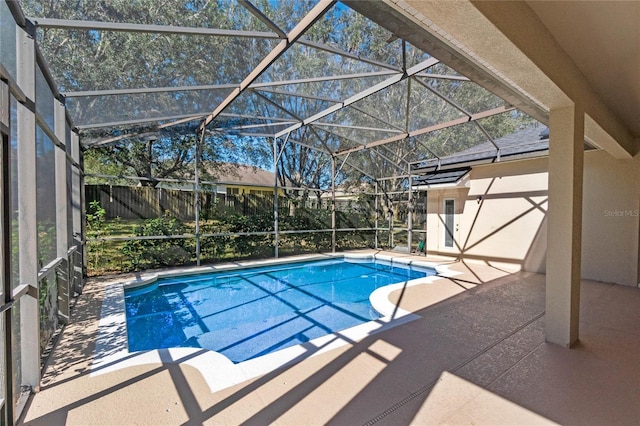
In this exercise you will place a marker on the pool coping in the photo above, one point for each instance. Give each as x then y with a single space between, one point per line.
111 351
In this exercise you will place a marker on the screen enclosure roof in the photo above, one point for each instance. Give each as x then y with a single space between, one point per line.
313 73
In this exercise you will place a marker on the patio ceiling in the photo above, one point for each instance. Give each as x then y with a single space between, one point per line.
358 89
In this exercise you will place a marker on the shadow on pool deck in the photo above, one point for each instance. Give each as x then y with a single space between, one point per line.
476 355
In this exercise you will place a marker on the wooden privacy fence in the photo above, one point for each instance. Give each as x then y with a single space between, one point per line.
142 202
135 202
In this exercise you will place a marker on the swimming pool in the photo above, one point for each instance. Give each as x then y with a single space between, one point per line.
247 313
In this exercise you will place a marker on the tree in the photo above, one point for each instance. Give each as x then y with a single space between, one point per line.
91 60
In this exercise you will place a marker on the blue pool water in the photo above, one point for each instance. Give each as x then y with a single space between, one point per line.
251 312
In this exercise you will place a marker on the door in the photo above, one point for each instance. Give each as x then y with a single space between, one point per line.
449 222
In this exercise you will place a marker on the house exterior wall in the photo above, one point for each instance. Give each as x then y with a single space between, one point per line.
610 223
500 215
246 189
507 226
436 220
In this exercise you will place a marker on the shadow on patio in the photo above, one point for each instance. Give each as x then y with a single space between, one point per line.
477 356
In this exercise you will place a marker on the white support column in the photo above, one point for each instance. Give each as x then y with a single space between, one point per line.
410 214
27 222
199 143
564 225
62 235
77 204
333 204
376 220
83 214
276 230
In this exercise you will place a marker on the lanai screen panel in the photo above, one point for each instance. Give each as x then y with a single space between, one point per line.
336 81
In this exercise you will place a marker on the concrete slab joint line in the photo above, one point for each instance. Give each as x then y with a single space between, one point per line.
430 385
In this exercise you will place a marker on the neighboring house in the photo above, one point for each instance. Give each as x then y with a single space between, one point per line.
495 210
240 179
231 179
346 197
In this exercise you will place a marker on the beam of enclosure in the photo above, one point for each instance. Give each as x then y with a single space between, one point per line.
329 152
429 129
407 107
392 178
324 151
376 218
489 138
276 159
443 97
378 153
422 144
140 90
333 204
344 53
198 146
351 165
391 17
368 92
322 78
262 17
344 161
181 118
398 158
186 118
71 24
296 94
316 13
410 215
277 105
255 117
253 126
461 109
347 126
376 117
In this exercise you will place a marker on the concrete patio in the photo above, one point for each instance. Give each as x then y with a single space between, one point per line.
476 355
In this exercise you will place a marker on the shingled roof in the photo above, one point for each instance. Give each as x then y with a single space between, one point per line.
245 175
529 142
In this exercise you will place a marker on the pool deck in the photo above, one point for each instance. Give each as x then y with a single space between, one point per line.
475 355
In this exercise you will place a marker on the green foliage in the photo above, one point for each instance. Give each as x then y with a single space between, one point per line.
47 300
96 228
307 219
156 252
95 218
94 60
46 242
251 245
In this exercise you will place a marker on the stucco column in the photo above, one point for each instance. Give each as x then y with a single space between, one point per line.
564 241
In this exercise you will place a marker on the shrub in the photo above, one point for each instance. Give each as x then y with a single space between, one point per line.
153 253
252 245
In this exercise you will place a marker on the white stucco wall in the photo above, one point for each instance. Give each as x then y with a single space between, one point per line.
611 217
499 215
508 224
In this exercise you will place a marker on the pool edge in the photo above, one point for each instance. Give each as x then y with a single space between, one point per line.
112 353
